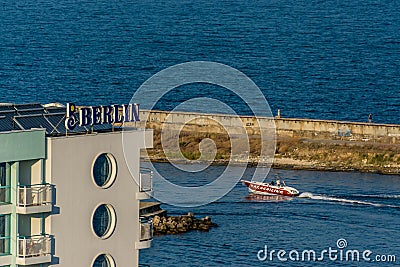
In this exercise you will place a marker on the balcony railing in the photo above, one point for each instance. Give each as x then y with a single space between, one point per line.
5 194
146 229
34 246
34 195
146 180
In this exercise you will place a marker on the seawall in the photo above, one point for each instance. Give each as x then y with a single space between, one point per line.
300 143
291 127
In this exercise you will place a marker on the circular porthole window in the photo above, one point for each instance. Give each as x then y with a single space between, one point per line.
103 260
104 170
104 221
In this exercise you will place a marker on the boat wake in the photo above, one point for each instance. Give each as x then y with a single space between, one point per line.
382 196
349 201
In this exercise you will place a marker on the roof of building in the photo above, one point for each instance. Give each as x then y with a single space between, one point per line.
34 115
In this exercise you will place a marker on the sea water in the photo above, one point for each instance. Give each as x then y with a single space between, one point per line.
311 59
334 208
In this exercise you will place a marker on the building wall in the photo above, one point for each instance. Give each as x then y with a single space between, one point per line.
22 145
69 168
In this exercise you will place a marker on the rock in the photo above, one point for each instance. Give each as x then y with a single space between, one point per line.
156 220
163 228
171 225
181 228
204 227
181 224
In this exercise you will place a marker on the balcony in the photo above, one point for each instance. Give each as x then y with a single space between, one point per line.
5 194
5 255
146 234
145 184
34 249
5 200
34 198
4 245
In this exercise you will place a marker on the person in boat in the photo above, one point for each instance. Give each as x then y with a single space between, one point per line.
278 182
272 182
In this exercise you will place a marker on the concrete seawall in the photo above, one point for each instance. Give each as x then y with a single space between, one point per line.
300 143
291 127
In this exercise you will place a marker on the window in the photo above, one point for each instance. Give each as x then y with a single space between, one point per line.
104 221
4 234
2 174
104 260
4 189
104 170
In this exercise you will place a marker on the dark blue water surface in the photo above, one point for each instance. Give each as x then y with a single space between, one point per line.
363 209
314 59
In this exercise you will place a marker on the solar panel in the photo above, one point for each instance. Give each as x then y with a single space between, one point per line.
57 119
52 118
30 106
52 110
80 129
34 121
6 108
7 123
31 112
102 127
10 112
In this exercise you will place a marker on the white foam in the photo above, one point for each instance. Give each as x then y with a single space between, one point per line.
343 200
381 196
306 195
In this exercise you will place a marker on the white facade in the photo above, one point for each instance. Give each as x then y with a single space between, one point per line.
69 168
70 198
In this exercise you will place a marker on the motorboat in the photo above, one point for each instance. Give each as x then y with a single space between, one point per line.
277 187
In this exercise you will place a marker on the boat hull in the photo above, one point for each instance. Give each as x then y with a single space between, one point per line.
270 190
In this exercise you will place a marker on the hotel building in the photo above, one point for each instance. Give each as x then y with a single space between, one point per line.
70 198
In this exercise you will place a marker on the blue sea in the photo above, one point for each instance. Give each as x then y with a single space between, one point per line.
311 59
338 211
327 59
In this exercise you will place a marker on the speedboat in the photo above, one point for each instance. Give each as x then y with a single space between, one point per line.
277 187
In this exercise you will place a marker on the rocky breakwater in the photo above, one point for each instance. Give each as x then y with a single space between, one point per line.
181 224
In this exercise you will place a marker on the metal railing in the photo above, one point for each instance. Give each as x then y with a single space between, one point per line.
4 245
146 229
34 246
34 195
145 180
5 194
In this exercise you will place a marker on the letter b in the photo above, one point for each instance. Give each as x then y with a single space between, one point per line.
85 116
